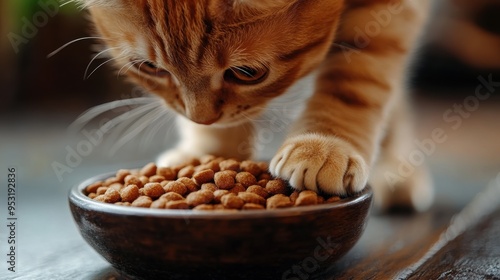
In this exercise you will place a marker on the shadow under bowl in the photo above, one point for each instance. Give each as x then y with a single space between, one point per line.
185 244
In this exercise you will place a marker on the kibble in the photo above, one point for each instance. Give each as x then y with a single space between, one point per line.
116 186
156 179
144 179
204 176
251 167
262 182
225 179
279 201
101 190
229 164
199 197
158 204
92 188
176 187
153 190
187 171
333 199
231 201
148 170
258 190
167 172
246 179
129 193
133 180
110 181
237 188
171 196
252 198
209 187
204 207
252 206
218 194
177 204
121 174
142 201
206 184
276 186
111 196
306 198
189 183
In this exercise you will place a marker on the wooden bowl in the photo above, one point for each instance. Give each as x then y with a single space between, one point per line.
184 244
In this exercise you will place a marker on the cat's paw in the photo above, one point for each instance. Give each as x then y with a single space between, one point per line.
320 163
174 157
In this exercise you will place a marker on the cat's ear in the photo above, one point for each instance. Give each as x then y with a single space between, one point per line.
263 4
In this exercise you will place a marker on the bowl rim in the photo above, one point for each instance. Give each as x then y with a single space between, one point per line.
77 197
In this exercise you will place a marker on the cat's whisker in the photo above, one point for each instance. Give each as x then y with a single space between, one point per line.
250 118
283 102
164 118
139 125
174 126
109 125
105 62
95 57
130 65
93 112
346 46
72 42
66 3
128 118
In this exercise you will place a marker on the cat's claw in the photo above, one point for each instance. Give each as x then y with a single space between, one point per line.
320 163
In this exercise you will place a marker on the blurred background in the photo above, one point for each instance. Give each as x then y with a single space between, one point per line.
40 97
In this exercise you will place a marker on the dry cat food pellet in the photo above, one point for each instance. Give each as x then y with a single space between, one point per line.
153 190
246 179
176 187
276 186
306 198
206 184
231 201
258 190
177 204
199 197
278 201
142 201
225 179
171 196
204 176
237 188
209 186
130 193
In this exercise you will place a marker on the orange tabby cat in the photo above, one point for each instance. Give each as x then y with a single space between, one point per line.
217 63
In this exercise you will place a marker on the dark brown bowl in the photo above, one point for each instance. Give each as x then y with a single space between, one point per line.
184 244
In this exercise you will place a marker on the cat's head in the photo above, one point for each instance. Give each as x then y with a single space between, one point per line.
216 61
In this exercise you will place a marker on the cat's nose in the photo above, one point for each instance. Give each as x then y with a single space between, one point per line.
204 119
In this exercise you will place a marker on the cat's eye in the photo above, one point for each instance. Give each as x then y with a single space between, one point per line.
246 75
151 68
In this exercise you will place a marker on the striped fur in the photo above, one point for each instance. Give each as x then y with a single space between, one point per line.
352 122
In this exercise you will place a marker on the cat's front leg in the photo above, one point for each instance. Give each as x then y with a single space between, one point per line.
335 142
197 140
